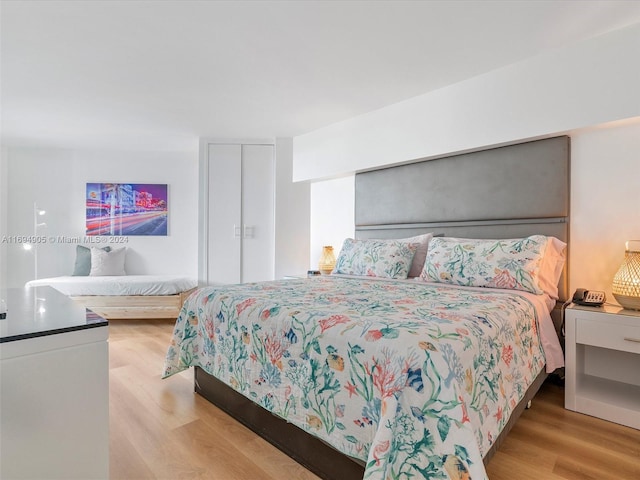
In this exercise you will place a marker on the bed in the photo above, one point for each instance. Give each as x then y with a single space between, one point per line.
388 378
125 296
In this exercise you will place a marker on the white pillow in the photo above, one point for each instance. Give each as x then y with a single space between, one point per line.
107 263
551 267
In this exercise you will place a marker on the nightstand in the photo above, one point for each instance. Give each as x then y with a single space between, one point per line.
602 363
310 273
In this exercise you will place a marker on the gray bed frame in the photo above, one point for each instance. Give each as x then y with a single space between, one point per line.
507 192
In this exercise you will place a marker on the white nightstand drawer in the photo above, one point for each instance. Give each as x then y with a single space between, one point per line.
611 335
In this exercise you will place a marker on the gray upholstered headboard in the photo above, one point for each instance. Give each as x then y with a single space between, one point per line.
504 192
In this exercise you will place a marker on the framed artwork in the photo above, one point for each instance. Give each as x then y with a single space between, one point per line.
116 209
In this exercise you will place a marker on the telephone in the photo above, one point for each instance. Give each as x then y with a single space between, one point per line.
589 298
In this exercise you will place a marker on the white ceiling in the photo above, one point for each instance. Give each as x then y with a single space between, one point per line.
159 74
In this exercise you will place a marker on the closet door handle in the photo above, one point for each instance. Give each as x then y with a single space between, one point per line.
237 231
248 231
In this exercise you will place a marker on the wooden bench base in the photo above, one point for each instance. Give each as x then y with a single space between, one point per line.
135 306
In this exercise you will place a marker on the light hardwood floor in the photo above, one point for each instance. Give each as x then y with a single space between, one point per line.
161 429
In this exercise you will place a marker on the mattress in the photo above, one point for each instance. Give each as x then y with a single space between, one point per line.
117 285
410 378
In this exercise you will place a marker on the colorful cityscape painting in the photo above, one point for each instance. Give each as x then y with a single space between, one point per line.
117 209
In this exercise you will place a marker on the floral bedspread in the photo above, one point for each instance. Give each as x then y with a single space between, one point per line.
415 379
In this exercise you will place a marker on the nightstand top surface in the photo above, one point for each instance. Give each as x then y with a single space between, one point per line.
612 309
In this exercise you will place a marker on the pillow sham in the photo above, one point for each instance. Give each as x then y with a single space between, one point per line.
375 258
107 263
82 267
417 264
506 263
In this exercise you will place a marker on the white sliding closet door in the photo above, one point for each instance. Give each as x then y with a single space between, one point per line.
224 214
258 242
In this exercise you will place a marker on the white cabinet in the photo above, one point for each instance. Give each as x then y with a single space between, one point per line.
237 229
54 379
602 376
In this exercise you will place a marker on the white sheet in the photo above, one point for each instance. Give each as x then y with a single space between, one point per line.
118 285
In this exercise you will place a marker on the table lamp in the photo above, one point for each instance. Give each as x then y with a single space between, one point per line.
626 282
327 260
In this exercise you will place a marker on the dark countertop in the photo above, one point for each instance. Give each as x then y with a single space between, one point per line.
39 311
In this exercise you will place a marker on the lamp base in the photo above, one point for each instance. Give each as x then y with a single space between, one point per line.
630 303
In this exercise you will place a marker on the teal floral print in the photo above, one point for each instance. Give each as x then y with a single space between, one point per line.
376 258
416 380
508 264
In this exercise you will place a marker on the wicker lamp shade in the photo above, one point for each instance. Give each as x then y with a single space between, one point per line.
327 260
626 282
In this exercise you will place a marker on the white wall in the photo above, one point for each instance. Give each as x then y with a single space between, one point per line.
292 215
589 91
56 181
332 215
605 201
589 83
3 217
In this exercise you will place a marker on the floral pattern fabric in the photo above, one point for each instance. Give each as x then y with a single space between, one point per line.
508 264
376 258
415 379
